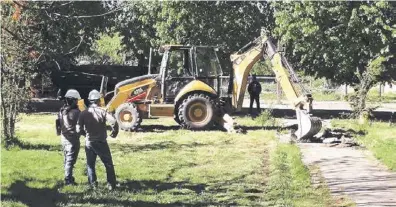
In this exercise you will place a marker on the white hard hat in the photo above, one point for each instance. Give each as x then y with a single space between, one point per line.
72 93
94 95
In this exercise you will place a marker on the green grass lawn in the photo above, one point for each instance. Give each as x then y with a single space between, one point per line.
379 138
374 96
163 166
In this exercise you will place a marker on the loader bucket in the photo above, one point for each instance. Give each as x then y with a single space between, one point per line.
307 126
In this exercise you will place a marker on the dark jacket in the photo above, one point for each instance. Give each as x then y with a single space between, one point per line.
93 122
254 88
68 117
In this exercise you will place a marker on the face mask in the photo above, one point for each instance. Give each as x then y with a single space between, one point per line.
74 103
71 102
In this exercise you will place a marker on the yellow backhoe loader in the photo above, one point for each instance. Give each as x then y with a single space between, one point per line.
298 96
193 88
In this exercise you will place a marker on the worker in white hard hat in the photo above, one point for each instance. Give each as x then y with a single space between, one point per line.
66 125
93 122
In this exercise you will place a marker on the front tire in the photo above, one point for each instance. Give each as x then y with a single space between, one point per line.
196 112
128 117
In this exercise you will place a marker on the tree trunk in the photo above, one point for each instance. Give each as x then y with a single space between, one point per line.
358 101
361 109
4 127
13 120
9 116
12 98
361 99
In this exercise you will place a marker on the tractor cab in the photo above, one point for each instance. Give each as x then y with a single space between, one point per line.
182 64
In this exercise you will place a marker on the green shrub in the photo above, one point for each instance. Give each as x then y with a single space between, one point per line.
266 118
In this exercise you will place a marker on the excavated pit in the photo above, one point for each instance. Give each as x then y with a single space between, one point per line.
332 137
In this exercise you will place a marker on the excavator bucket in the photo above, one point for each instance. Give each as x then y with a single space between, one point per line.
307 126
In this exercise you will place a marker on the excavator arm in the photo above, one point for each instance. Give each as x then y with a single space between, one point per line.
298 96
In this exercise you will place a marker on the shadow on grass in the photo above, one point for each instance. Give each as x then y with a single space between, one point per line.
29 146
159 186
110 202
157 128
245 129
19 191
160 128
126 148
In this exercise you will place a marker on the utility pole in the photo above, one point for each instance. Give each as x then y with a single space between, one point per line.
380 90
278 92
150 56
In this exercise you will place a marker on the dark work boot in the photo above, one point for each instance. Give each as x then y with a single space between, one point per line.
111 186
70 181
93 186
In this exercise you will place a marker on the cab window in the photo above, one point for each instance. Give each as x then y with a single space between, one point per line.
207 62
179 64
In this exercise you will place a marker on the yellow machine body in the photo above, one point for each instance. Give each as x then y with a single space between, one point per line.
155 108
161 110
125 92
81 104
242 66
195 85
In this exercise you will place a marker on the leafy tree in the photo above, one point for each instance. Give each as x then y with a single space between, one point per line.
14 91
263 67
136 25
109 46
37 37
227 24
345 41
63 29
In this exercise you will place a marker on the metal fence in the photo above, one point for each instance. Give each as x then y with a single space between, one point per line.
319 88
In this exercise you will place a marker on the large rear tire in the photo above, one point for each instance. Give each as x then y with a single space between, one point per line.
176 114
128 117
196 112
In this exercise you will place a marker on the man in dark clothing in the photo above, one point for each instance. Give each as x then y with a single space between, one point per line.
92 121
66 127
254 90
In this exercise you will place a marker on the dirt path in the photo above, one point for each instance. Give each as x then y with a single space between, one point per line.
354 173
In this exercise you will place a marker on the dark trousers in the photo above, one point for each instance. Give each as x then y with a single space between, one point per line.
252 99
70 149
101 149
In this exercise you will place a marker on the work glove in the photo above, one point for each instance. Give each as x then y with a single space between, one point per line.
58 127
83 133
114 131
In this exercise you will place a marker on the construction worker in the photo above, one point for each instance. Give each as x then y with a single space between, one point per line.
66 127
92 123
254 90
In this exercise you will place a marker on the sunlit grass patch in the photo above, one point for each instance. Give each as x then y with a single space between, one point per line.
379 138
289 180
163 165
